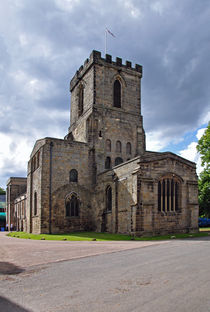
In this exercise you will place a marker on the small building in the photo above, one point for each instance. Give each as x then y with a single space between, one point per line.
16 186
2 212
100 176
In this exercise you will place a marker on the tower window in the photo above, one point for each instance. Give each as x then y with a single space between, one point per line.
108 198
108 145
117 94
118 161
73 176
81 101
72 206
108 163
128 148
118 147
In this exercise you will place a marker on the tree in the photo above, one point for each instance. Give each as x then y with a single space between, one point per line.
204 179
2 191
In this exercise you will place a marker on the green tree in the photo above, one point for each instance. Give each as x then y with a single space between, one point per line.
203 148
2 191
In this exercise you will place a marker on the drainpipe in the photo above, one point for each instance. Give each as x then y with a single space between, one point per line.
50 191
31 200
116 204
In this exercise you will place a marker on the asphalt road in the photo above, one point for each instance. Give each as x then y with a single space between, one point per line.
174 277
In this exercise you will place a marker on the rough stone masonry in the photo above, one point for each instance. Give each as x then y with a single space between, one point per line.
100 176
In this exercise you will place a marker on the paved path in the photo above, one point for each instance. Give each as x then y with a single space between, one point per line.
166 277
26 253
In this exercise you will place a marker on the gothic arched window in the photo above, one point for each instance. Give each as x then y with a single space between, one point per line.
118 161
118 147
117 94
168 194
35 203
73 176
108 145
81 101
108 198
108 163
128 148
72 206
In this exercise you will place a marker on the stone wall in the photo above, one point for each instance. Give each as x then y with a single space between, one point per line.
57 158
20 212
15 187
149 219
123 181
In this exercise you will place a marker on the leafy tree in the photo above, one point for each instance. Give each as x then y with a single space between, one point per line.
2 191
204 180
204 193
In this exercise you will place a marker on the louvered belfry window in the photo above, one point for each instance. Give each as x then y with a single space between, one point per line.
117 94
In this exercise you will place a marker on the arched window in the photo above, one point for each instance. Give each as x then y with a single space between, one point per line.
72 206
118 147
117 94
108 198
118 161
81 101
108 145
128 148
73 175
108 163
35 203
168 194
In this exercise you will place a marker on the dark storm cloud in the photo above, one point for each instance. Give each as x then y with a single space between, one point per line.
43 43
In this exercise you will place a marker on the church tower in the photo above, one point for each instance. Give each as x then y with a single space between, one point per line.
106 111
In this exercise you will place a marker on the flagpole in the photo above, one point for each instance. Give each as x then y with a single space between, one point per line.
105 40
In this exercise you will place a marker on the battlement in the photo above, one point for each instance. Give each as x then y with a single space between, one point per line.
95 58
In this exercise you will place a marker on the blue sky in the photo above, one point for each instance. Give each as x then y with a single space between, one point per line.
43 43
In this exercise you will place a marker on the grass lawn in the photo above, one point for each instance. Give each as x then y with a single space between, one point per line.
90 236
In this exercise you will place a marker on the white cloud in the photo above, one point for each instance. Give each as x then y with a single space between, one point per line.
15 154
155 141
134 10
200 132
191 153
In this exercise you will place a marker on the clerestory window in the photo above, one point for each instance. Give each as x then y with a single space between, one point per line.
108 145
118 161
108 163
118 147
128 148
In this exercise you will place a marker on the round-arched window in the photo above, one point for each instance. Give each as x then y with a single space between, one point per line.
73 176
118 161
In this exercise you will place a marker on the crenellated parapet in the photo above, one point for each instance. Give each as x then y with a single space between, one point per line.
95 58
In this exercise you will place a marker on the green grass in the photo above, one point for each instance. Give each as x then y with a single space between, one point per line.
90 236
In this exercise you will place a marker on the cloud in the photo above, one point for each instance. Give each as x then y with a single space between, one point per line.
43 43
191 153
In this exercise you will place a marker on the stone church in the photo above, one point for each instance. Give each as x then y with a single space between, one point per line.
100 177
